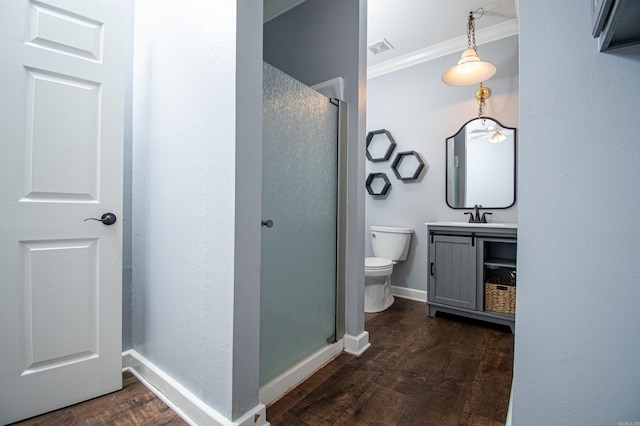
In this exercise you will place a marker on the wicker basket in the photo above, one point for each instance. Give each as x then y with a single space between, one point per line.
500 298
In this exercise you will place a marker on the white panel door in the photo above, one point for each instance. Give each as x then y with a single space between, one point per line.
61 136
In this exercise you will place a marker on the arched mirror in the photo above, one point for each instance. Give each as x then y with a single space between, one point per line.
481 165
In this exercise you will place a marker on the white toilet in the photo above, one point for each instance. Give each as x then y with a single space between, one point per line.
390 246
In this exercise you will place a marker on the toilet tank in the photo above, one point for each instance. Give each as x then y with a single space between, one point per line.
390 242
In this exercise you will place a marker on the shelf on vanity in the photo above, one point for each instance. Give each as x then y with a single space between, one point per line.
500 263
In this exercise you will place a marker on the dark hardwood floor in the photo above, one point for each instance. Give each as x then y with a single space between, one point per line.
418 371
133 405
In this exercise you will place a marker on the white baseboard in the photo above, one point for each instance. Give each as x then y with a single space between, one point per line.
181 400
356 345
298 373
409 293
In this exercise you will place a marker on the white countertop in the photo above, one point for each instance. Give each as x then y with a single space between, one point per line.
474 225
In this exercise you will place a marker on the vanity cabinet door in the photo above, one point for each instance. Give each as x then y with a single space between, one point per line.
452 271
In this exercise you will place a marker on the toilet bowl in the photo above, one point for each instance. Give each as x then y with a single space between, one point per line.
377 284
390 245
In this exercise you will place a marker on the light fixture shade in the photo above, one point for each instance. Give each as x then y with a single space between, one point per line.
470 70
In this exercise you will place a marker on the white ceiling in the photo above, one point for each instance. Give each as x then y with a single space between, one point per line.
415 26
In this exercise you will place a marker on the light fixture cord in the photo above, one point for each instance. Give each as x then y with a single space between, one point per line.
471 42
471 32
471 27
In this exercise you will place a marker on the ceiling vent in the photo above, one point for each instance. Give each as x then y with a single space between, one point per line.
380 46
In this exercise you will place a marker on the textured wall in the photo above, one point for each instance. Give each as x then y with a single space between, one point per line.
248 204
195 293
577 340
421 112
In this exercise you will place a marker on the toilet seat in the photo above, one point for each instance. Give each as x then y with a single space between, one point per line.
377 263
377 267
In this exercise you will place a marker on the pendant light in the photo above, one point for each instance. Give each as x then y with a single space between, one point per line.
470 69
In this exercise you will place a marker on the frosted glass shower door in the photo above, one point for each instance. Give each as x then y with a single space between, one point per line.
299 194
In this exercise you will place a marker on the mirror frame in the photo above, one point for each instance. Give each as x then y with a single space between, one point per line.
515 165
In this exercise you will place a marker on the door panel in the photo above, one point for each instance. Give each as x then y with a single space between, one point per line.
61 275
300 195
61 129
453 279
61 112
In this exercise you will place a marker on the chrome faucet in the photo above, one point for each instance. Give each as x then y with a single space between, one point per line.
475 217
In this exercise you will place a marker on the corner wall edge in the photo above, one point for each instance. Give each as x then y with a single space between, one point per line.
188 406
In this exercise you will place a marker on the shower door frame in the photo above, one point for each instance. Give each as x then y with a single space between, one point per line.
341 237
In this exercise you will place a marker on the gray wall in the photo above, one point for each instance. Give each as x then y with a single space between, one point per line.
127 8
313 43
577 344
421 112
196 230
248 205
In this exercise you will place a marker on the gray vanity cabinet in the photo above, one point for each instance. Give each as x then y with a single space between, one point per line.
452 269
472 271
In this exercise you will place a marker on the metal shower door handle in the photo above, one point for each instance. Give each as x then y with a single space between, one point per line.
268 223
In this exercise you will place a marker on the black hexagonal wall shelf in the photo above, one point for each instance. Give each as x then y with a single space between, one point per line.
378 184
407 165
380 145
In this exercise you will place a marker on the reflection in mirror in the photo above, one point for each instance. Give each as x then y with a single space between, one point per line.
481 165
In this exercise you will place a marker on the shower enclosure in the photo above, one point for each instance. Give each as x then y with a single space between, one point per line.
301 293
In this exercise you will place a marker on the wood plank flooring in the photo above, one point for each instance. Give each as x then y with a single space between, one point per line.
133 405
418 371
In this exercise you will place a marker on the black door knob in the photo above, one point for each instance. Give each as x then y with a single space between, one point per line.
106 219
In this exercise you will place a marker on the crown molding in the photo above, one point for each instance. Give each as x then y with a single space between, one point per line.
487 35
